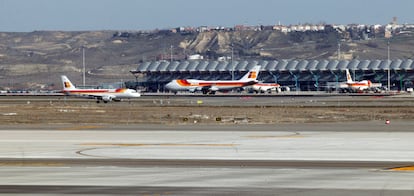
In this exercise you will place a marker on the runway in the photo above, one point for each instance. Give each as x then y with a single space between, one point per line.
229 100
355 158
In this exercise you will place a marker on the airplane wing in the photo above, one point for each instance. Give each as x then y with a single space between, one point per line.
208 89
103 97
108 98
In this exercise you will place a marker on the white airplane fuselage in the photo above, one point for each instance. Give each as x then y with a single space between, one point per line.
99 94
211 86
119 93
361 85
356 85
266 87
193 85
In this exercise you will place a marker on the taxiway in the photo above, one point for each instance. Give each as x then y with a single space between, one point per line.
353 158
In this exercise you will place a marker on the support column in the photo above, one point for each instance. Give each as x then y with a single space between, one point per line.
296 80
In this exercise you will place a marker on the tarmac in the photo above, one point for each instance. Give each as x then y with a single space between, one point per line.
291 159
341 157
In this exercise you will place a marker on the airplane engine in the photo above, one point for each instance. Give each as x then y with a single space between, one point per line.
278 90
214 88
285 88
107 99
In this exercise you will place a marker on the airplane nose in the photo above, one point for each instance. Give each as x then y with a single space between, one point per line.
134 93
168 85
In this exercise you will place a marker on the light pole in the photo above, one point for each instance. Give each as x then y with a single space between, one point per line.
389 65
232 65
339 50
83 65
171 53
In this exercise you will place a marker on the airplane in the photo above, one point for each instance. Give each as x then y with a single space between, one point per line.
104 95
355 86
268 88
211 86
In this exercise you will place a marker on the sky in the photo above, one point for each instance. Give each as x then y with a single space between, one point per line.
79 15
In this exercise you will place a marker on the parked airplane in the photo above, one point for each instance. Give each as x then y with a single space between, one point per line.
356 86
104 95
265 87
211 86
268 88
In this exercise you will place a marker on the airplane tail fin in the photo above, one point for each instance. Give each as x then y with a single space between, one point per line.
348 76
252 74
67 85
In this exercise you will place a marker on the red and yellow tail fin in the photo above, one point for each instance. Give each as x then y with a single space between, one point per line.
252 74
67 85
348 76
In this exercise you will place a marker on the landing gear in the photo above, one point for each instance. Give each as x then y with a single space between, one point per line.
99 101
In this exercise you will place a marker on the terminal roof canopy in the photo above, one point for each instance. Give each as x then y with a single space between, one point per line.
274 65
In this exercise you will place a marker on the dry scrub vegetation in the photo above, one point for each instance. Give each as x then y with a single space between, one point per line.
130 113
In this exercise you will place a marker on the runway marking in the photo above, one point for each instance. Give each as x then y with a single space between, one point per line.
81 127
161 144
405 168
294 135
81 152
30 164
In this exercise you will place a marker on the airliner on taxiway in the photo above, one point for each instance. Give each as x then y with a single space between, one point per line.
211 86
104 95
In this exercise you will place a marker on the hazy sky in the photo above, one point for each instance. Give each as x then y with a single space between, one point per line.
74 15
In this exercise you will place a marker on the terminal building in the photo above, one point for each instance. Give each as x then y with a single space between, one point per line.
299 75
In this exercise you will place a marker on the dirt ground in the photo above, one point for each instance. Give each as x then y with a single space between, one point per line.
80 112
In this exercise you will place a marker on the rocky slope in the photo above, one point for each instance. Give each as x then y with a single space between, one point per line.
34 60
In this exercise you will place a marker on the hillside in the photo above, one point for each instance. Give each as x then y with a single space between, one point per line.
35 60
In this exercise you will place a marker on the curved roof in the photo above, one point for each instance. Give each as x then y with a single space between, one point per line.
291 66
312 65
251 64
322 65
353 64
211 66
282 65
384 65
222 66
335 65
407 65
395 64
162 66
173 66
183 66
374 65
274 65
241 65
263 64
363 65
192 66
202 66
153 66
302 65
271 65
143 67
